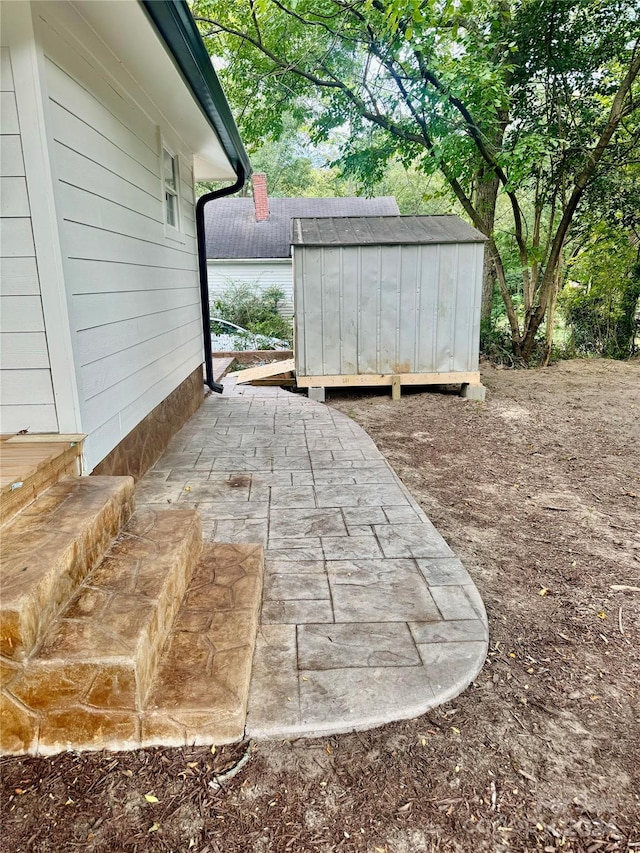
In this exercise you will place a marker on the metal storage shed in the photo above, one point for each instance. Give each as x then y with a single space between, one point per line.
387 300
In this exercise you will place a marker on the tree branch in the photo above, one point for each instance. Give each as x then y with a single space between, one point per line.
616 113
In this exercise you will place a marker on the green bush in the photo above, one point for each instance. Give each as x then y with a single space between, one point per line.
242 303
600 304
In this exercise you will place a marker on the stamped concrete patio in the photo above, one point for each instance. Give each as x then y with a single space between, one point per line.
367 614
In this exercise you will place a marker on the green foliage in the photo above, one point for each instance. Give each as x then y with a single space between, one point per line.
245 305
601 302
524 107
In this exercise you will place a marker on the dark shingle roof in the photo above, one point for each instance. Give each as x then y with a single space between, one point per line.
232 230
382 230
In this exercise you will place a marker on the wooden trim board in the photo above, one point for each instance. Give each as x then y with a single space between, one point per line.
49 438
277 382
264 371
366 379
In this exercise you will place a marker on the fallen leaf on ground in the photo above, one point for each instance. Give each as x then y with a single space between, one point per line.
150 798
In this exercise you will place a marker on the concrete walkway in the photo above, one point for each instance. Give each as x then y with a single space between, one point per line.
367 615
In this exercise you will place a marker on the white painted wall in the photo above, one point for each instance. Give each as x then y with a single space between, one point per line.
264 273
131 283
27 398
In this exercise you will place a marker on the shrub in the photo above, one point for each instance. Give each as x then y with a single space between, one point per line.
245 305
600 304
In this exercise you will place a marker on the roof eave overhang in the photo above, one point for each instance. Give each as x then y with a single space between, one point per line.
177 29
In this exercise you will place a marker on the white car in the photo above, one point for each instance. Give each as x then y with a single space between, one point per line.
228 337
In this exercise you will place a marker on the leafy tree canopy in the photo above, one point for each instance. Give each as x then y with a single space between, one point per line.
525 107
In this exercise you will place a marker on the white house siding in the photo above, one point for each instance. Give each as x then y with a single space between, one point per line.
263 273
25 374
132 287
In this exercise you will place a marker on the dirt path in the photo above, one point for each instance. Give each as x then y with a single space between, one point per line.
538 491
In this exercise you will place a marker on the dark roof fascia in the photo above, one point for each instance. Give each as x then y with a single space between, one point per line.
178 30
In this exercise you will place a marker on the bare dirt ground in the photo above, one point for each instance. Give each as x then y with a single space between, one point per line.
538 491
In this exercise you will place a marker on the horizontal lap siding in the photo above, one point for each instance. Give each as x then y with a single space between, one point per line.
25 375
133 289
262 275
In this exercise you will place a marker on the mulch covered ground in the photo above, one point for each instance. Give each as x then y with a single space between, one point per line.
538 491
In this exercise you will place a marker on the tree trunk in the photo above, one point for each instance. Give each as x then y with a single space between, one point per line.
489 280
486 195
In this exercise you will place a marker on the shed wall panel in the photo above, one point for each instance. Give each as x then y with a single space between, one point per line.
349 266
368 307
331 311
390 261
387 309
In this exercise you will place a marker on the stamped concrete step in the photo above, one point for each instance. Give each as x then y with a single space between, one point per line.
200 693
49 548
87 683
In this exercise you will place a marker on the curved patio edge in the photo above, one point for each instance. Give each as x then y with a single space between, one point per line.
368 617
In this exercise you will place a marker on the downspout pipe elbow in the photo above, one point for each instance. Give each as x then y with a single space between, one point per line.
204 272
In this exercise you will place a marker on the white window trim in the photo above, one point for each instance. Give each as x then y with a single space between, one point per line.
173 232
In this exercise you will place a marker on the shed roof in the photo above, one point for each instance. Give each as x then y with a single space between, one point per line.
382 230
232 230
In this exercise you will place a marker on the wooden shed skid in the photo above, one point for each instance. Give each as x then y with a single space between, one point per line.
367 379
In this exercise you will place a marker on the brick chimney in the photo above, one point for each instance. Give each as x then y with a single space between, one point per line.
260 198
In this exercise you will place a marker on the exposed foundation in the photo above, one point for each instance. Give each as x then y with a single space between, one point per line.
146 443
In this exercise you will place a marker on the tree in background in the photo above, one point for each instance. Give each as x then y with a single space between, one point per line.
520 106
600 300
297 168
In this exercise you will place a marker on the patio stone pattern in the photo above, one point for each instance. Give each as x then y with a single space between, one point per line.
367 615
153 641
49 547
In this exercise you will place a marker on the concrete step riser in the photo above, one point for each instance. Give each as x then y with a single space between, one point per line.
101 655
199 692
156 633
50 548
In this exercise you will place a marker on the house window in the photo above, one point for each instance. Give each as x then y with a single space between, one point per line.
170 176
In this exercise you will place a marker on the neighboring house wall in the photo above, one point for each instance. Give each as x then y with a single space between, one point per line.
132 286
263 274
25 376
